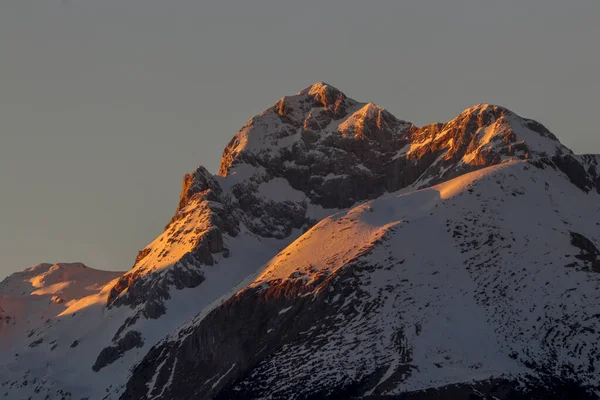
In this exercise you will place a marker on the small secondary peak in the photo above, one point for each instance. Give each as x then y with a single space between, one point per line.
324 93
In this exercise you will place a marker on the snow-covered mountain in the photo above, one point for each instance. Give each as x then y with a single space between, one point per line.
342 251
34 296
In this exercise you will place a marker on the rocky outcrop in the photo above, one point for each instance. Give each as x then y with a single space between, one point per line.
112 353
199 183
575 172
589 251
581 170
141 286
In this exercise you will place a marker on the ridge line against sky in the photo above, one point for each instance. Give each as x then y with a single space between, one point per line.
105 105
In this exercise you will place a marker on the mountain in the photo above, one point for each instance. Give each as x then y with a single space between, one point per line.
344 252
38 294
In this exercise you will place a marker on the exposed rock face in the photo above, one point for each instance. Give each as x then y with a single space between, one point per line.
200 194
250 327
584 179
113 353
582 171
200 183
589 251
370 151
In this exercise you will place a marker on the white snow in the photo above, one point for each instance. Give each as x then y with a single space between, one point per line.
223 376
285 310
454 334
31 297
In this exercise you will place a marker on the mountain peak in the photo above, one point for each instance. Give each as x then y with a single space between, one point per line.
319 139
30 298
491 112
485 107
323 93
48 278
199 181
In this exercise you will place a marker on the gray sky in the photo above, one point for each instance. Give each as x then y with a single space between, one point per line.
105 104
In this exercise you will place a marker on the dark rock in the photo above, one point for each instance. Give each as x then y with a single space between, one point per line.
154 287
245 331
500 389
575 171
200 182
589 252
539 128
110 354
141 255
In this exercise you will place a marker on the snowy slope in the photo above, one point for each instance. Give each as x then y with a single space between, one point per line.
309 156
40 293
58 357
481 277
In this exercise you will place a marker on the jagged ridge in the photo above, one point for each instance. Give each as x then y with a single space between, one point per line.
333 152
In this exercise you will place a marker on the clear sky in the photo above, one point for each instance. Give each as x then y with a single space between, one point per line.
105 104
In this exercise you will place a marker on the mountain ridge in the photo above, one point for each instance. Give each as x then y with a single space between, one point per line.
297 298
284 174
303 164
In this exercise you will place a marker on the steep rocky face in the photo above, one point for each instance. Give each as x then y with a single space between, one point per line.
433 289
481 136
195 232
327 149
582 171
112 353
343 152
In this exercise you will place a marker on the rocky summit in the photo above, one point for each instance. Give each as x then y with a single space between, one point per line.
340 252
